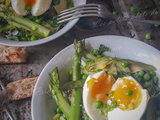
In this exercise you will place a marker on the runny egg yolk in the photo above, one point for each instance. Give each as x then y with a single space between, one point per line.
101 87
30 2
124 101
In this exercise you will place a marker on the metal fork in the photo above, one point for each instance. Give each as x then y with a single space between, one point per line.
97 10
4 99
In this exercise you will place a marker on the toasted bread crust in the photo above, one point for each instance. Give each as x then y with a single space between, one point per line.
13 54
21 88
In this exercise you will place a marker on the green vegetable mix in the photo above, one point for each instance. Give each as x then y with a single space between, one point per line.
145 74
39 26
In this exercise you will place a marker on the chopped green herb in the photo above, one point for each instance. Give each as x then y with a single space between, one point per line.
102 49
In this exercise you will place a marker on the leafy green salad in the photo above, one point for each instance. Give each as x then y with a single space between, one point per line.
91 73
30 20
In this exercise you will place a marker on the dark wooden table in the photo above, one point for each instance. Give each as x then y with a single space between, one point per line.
86 27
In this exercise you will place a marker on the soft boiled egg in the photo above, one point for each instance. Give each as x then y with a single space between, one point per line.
95 88
38 7
130 97
131 100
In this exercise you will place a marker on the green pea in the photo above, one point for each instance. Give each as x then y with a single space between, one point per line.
71 72
58 110
132 9
33 38
38 21
146 77
148 36
98 104
156 25
95 51
113 104
158 113
141 73
152 73
98 56
28 7
84 76
99 70
124 64
147 84
129 92
114 13
155 79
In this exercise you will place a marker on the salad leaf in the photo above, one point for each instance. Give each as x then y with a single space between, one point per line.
113 66
73 84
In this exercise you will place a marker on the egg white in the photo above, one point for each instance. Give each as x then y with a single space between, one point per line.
19 7
40 7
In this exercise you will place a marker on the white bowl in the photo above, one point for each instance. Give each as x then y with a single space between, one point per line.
66 28
43 105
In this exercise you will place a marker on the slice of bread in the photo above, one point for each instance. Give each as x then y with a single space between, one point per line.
21 88
13 54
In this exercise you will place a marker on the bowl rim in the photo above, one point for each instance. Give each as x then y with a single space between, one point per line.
67 27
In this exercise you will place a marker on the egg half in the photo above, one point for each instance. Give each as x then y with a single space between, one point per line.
100 85
38 7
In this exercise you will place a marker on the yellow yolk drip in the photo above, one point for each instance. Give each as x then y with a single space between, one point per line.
125 102
30 2
101 87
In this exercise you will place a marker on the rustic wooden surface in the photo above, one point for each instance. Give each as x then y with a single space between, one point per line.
40 55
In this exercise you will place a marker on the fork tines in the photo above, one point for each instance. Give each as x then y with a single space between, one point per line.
79 11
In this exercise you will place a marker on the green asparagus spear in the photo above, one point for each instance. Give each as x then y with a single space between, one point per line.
73 84
57 94
76 93
88 55
26 23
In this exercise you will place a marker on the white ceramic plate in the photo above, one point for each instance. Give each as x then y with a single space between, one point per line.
43 105
66 28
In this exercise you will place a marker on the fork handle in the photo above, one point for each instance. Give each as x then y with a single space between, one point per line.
8 112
